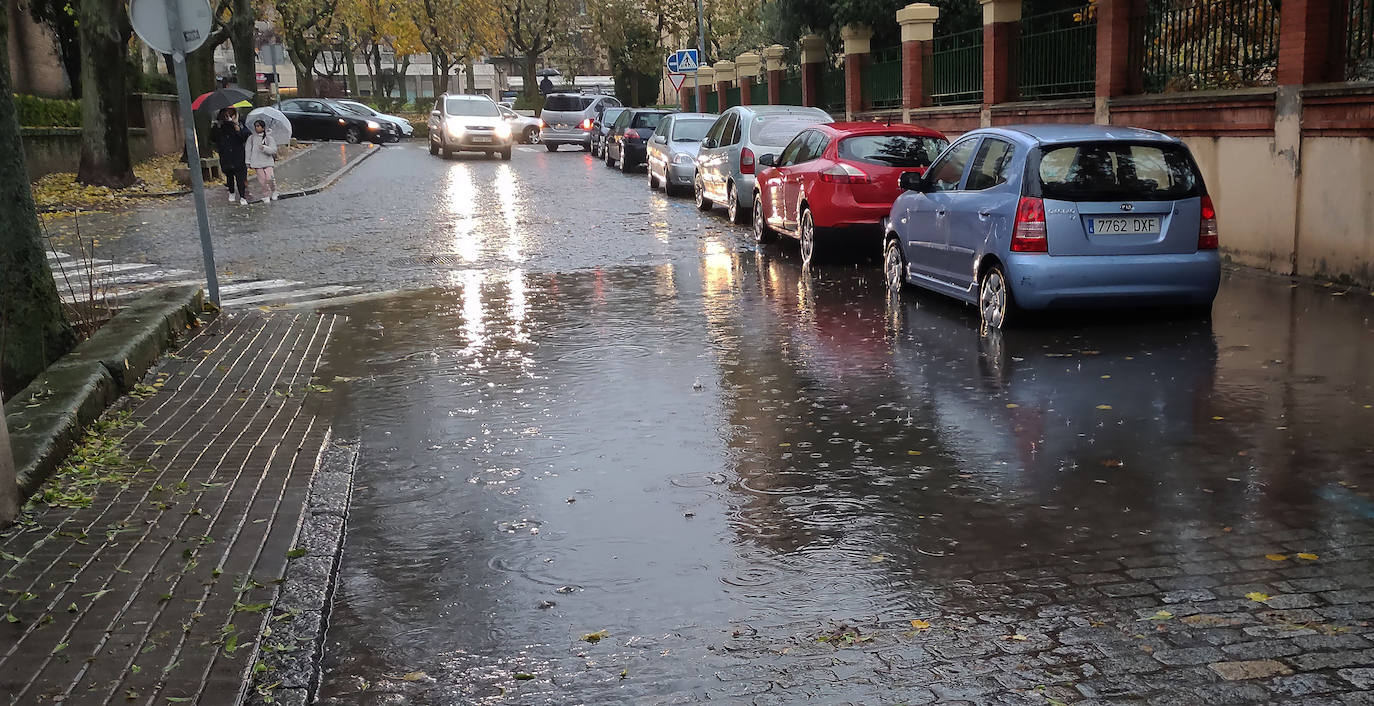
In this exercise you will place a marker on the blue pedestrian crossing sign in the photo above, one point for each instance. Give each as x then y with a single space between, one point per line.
683 61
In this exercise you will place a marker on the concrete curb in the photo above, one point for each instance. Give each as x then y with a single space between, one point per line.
293 633
332 178
47 418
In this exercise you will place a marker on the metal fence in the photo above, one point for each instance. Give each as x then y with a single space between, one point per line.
713 102
956 68
732 95
758 93
791 93
1187 45
691 101
1058 54
1359 41
882 79
832 89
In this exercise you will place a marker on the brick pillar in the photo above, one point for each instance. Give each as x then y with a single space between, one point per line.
1114 74
682 94
772 62
1304 36
746 72
706 85
857 44
725 77
918 32
1001 30
813 55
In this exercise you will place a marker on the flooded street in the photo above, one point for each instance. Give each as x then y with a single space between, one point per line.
695 474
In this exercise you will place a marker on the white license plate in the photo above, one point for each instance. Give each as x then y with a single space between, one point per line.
1130 225
480 139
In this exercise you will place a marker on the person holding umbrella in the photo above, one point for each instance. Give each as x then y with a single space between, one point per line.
262 157
230 140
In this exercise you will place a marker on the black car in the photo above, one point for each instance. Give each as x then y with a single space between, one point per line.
627 143
315 119
601 127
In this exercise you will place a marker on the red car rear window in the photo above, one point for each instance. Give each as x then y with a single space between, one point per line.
892 150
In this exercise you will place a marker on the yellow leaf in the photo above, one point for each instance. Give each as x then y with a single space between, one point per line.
784 444
1257 597
1276 557
1217 419
1104 406
1161 615
877 558
1017 637
595 637
913 453
415 676
1012 405
1308 556
920 625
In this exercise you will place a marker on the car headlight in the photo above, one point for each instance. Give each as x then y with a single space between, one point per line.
454 129
374 125
682 158
503 131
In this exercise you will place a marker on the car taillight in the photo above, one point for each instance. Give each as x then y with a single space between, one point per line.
746 161
1207 232
1029 233
843 173
586 124
632 134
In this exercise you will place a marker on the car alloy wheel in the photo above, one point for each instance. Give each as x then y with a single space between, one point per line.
531 135
894 268
808 238
994 298
699 189
762 233
433 147
732 207
354 135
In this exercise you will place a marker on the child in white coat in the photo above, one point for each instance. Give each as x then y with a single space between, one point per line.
262 157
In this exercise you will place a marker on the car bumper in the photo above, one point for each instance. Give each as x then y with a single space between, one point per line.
681 174
1039 281
634 154
744 190
466 142
554 136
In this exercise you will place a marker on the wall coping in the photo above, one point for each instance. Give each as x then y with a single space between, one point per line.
972 108
1261 94
1062 104
66 131
156 97
1323 90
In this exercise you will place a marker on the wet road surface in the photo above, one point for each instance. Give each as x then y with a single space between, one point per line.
617 455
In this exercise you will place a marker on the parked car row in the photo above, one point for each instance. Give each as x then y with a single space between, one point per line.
324 119
1007 219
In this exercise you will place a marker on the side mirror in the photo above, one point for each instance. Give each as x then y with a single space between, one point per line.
912 181
660 139
708 143
768 160
434 113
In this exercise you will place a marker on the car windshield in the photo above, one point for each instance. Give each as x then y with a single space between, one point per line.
777 131
1112 171
892 150
568 104
691 130
649 120
479 107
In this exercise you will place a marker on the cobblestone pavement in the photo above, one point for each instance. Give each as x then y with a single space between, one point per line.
151 585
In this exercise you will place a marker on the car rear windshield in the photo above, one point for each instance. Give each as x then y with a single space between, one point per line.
777 131
480 107
611 114
649 120
568 104
1111 171
892 150
691 130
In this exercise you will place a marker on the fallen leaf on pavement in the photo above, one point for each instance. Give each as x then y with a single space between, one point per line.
1276 557
1257 597
415 676
1161 615
1307 556
595 637
920 625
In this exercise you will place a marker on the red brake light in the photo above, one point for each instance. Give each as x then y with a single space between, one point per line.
746 161
1029 232
1207 232
586 124
843 173
632 134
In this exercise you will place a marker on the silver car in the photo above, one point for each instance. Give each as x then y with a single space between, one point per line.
568 117
729 154
672 152
404 127
525 128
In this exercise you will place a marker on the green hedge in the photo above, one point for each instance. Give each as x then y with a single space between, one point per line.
526 103
47 112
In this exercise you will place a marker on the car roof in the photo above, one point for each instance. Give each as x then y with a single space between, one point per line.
650 110
706 116
869 128
1052 133
779 109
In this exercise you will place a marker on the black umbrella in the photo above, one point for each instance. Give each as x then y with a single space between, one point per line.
548 72
215 101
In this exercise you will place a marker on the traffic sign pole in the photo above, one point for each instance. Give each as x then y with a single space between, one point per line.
188 122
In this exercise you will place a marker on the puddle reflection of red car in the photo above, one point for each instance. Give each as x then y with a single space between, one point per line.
838 176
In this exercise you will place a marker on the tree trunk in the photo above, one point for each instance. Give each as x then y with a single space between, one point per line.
352 70
33 329
401 77
104 108
374 70
531 81
441 79
471 76
245 51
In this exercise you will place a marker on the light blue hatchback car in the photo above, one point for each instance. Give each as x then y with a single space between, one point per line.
1048 216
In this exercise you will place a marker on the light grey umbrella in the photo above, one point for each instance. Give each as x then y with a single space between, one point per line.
278 126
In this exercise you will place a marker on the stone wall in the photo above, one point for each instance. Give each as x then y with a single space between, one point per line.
35 67
49 150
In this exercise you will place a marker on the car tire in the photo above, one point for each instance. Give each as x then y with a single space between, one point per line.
354 135
894 266
699 193
433 147
806 233
587 147
762 233
531 135
550 147
505 154
996 304
653 180
737 213
625 167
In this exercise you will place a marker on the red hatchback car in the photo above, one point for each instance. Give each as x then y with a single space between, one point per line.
838 175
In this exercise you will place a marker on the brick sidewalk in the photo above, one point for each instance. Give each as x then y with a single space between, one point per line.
158 590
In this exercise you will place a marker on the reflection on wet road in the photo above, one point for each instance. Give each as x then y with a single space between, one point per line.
754 481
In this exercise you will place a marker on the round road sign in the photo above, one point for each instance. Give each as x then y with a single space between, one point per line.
149 19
